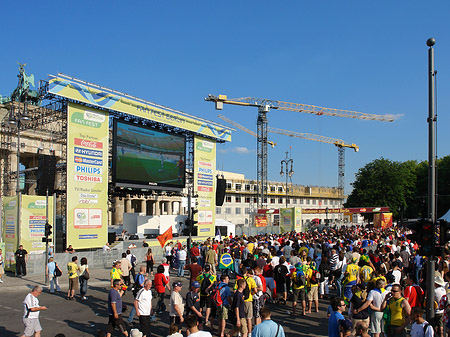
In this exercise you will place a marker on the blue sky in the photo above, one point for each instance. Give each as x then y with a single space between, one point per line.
368 56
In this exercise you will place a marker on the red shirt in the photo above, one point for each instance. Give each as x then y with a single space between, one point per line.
160 282
267 270
414 294
195 251
263 281
195 270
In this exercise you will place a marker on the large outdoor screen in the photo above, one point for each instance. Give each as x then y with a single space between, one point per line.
147 158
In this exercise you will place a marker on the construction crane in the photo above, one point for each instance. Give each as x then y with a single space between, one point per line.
264 106
339 143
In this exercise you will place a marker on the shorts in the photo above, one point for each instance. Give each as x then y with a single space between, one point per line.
257 306
313 294
73 283
175 319
437 321
248 309
376 322
32 325
391 331
299 294
115 322
222 312
270 283
205 300
281 287
243 328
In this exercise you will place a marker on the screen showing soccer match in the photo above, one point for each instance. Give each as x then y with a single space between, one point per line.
144 157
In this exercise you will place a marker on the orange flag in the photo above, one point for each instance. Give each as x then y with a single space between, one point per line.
167 235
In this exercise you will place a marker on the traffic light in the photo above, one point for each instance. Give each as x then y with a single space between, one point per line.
427 240
444 236
48 230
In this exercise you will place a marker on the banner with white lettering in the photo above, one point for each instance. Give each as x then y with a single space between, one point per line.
87 177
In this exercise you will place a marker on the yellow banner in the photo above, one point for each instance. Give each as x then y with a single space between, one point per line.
109 99
10 232
298 219
286 219
87 177
32 222
205 184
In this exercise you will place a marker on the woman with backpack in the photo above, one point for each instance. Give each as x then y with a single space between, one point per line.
84 277
51 272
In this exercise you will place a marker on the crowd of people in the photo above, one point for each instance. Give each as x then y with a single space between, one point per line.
375 276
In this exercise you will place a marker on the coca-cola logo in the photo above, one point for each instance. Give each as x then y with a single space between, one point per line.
88 143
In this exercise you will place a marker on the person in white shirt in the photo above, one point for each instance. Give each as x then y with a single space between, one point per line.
182 254
106 247
31 313
374 301
143 306
192 327
420 327
439 291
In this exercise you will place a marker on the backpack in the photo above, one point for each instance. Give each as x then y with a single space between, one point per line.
58 271
137 286
315 277
279 275
300 278
247 289
205 287
216 298
133 261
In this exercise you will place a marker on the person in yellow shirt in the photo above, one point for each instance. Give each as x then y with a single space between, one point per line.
72 269
351 277
400 309
116 272
299 288
250 247
365 273
312 284
248 295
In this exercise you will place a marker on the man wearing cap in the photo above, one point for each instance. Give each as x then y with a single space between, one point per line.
437 321
176 304
193 301
143 306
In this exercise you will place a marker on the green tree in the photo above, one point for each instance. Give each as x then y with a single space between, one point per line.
383 182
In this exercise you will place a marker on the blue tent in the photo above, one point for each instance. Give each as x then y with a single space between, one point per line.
446 216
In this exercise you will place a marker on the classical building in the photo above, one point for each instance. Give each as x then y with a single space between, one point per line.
239 206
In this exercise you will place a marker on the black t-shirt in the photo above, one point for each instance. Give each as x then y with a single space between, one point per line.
238 302
192 300
357 303
20 253
280 272
236 253
324 270
249 263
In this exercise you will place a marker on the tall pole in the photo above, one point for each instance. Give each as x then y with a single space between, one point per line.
431 174
289 172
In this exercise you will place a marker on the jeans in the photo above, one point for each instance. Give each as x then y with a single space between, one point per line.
131 315
181 265
160 306
200 260
83 286
237 263
417 274
339 289
53 283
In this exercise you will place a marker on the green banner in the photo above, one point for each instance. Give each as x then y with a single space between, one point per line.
205 184
10 231
298 219
32 222
87 177
286 219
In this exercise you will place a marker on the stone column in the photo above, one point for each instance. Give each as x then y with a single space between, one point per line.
157 207
128 208
169 207
144 206
119 206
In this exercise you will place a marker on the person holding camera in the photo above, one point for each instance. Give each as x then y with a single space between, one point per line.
400 310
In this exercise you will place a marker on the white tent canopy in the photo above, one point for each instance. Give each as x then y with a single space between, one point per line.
231 228
446 216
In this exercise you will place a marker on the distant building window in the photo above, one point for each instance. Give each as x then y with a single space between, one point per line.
247 187
294 201
280 189
325 202
247 210
314 201
247 199
280 200
238 210
272 188
300 201
218 210
228 198
255 187
228 210
238 199
307 201
272 200
331 202
255 200
288 201
229 186
238 187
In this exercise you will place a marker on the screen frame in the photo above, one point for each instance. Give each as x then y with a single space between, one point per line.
138 184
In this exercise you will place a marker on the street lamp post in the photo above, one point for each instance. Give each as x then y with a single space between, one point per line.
289 172
326 212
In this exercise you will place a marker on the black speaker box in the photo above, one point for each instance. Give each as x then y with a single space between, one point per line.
46 175
221 186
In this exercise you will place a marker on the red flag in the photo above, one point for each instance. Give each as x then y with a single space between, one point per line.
167 235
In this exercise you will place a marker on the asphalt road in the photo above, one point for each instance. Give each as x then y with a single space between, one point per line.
85 318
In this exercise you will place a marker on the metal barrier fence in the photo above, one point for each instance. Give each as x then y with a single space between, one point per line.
252 231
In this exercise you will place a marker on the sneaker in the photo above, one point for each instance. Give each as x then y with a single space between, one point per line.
84 298
1 281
